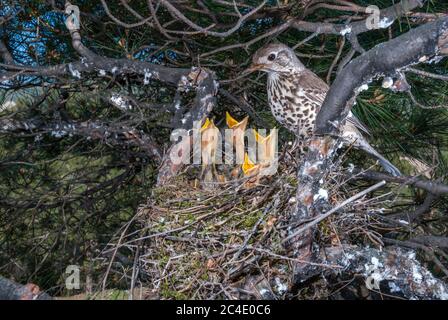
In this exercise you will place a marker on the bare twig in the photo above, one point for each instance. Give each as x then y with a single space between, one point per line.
335 209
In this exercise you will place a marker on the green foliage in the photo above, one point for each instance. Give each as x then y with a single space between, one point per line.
63 199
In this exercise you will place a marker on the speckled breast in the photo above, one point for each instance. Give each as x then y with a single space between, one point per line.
293 111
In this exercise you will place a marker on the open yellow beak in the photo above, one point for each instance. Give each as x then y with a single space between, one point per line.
248 166
260 139
266 147
231 122
234 124
207 124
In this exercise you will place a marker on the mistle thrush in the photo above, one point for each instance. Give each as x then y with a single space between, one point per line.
296 94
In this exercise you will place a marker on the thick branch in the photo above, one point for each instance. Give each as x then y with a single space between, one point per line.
434 241
121 67
388 15
383 59
5 54
10 290
392 264
430 186
112 134
204 103
418 212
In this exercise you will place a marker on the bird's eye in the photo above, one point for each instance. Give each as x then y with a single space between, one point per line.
271 57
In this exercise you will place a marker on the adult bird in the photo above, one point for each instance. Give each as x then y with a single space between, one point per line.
296 94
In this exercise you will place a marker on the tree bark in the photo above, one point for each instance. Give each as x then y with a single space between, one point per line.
10 290
385 59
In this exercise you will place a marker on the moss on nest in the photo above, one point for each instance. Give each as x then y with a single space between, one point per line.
222 243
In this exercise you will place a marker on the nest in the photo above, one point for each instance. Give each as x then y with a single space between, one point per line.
226 242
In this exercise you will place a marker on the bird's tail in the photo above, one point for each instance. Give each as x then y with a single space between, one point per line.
389 167
351 134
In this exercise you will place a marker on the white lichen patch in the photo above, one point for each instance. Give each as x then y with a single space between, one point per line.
346 30
387 82
75 73
351 167
403 272
416 274
264 291
385 23
279 286
184 84
322 194
435 59
84 62
376 262
120 102
364 87
148 76
393 287
58 133
422 59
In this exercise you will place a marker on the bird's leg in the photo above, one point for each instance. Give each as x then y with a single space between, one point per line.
295 145
293 149
298 147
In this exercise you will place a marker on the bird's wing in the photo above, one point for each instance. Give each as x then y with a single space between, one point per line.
316 95
313 87
358 124
317 91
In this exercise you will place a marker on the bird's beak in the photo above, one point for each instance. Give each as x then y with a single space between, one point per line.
254 67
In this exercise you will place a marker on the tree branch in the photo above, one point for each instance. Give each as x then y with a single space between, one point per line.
383 59
112 134
10 290
435 188
388 14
